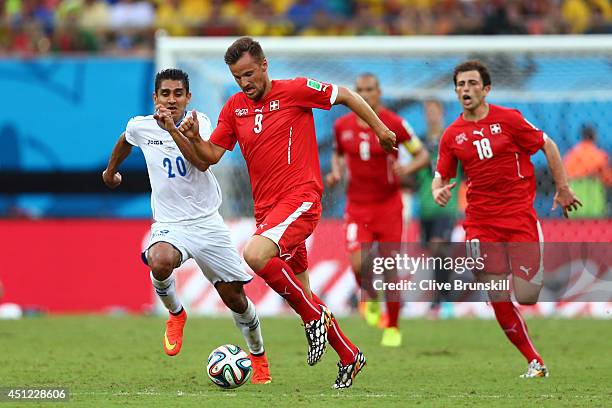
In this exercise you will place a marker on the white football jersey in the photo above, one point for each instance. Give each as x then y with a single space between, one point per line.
179 191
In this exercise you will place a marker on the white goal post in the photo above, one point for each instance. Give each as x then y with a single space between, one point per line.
171 51
167 47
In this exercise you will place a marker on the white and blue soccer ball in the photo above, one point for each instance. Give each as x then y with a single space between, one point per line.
229 366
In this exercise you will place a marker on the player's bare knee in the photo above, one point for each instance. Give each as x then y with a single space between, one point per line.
255 257
259 251
161 265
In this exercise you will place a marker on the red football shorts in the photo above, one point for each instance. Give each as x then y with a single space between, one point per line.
288 224
375 222
515 249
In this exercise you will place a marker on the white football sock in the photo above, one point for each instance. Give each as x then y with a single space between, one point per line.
248 323
166 290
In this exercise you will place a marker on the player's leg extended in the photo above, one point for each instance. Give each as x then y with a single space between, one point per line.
514 326
352 360
247 321
346 350
213 250
484 240
369 303
162 258
388 232
282 231
358 242
261 254
526 251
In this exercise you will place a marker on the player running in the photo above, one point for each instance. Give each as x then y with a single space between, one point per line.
273 123
185 199
373 189
494 145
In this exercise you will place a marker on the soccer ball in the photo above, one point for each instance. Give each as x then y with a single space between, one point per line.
229 366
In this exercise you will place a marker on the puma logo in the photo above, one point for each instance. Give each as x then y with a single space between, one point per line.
284 292
479 132
512 329
525 269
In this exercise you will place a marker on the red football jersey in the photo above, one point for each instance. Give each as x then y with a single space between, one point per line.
370 168
495 155
277 137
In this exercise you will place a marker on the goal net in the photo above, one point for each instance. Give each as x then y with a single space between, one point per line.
560 83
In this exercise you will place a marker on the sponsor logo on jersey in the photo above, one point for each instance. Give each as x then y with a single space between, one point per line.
479 132
241 112
259 110
460 138
155 142
274 105
161 233
495 129
316 85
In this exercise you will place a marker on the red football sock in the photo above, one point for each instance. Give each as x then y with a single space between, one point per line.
510 320
280 277
393 309
344 347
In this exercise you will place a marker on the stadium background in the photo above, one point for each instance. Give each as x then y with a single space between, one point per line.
74 72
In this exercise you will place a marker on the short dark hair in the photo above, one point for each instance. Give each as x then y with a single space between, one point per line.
369 75
242 45
588 132
173 74
473 65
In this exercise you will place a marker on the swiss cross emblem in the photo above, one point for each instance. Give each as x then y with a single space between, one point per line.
274 105
495 128
460 138
346 135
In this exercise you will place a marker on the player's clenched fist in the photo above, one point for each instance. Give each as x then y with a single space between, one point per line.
164 116
387 140
112 180
332 178
443 194
190 126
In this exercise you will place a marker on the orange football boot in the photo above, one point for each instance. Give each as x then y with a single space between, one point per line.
261 369
173 337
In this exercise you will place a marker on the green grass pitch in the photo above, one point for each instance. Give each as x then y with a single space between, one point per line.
119 361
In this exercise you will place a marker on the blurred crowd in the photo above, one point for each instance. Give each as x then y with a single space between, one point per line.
129 26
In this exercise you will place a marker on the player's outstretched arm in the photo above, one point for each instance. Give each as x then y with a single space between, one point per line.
355 102
441 190
122 149
564 197
337 169
164 116
204 149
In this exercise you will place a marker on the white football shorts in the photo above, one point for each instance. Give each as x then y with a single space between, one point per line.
208 242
